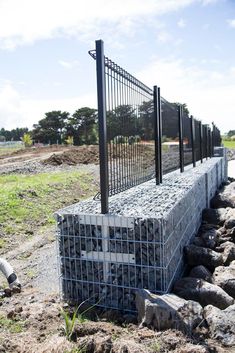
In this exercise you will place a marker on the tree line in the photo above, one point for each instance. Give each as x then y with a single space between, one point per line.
57 126
81 127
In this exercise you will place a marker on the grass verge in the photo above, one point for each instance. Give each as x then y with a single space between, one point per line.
229 144
4 151
29 201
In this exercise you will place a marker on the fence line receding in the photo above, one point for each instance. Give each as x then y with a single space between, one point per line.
141 134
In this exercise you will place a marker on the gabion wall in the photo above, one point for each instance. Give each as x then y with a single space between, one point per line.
105 258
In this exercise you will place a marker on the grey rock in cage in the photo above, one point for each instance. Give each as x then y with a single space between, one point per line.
105 258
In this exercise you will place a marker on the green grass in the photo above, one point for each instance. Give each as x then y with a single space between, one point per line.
2 243
9 150
12 326
27 201
31 273
155 347
229 144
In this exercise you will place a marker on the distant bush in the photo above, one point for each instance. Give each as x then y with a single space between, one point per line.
69 140
27 140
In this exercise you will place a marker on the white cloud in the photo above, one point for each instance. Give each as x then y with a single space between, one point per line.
231 23
198 88
17 111
164 37
25 21
208 2
181 23
69 64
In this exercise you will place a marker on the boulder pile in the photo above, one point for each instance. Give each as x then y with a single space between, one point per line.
207 294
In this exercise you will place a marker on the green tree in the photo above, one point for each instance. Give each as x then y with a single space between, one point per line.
184 105
83 126
146 120
122 121
231 133
14 134
51 129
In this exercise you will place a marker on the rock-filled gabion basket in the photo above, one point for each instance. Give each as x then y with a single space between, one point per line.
104 259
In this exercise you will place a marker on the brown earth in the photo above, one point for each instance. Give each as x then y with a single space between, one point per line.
78 155
31 321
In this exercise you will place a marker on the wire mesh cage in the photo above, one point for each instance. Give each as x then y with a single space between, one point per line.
105 258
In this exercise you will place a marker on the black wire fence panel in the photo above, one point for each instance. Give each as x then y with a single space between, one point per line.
216 136
197 140
170 136
142 135
130 129
187 139
205 141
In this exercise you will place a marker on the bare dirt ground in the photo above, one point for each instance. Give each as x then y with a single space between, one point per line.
30 321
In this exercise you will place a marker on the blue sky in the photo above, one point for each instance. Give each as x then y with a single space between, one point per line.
186 47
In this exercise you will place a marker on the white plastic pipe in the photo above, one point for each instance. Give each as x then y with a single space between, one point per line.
9 273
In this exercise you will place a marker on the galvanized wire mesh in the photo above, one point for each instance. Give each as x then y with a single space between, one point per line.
130 128
134 121
170 136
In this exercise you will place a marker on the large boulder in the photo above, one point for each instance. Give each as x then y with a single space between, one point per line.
230 190
231 234
225 198
167 311
221 323
225 234
203 292
229 252
225 278
230 218
229 223
209 238
227 249
214 216
196 255
201 272
222 200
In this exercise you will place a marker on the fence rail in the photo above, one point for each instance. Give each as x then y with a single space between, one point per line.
141 135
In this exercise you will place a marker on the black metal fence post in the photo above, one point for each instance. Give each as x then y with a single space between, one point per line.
213 138
201 141
193 140
103 151
160 133
205 139
156 135
210 142
181 142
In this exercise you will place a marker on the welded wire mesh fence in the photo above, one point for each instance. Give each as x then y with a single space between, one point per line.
142 135
170 136
130 130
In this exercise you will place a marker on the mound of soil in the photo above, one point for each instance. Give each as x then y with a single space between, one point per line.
79 155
